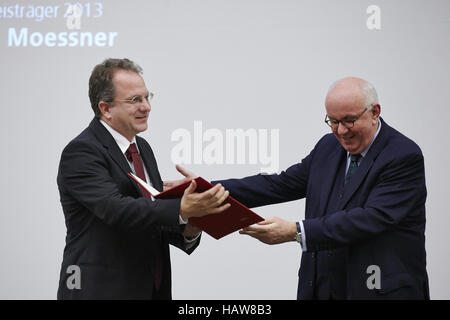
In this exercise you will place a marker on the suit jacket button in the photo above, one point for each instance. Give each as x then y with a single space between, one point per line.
310 283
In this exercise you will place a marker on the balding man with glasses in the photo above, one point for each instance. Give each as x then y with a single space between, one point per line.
364 185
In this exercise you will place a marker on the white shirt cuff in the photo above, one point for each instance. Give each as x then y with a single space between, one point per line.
302 229
181 221
189 243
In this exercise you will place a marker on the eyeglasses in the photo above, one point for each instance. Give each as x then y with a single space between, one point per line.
346 122
137 100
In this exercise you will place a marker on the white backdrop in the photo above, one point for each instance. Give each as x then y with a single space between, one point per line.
231 64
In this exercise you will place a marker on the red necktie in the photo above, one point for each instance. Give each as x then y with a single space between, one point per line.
134 157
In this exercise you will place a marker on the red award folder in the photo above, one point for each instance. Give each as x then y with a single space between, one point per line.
236 217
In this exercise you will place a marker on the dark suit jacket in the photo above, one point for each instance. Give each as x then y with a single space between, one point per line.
113 233
378 218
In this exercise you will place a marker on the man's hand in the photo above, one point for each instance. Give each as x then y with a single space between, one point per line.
187 174
195 204
272 231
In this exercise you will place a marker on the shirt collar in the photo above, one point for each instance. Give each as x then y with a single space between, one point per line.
363 153
121 141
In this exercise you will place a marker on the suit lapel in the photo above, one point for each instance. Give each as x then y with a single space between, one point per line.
357 178
113 149
149 162
366 163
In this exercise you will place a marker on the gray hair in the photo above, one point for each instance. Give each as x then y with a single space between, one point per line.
101 86
369 94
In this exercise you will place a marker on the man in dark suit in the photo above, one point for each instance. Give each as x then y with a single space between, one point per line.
364 184
117 243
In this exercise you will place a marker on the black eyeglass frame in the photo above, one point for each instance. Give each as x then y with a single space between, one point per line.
345 122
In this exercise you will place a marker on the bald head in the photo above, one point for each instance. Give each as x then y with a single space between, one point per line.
352 90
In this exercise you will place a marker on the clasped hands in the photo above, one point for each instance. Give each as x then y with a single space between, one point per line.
270 231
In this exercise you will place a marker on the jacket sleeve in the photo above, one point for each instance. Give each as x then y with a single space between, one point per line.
85 182
177 240
261 190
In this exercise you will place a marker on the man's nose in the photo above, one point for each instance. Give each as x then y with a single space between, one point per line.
145 106
341 129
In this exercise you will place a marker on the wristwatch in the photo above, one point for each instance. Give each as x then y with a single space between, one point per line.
298 236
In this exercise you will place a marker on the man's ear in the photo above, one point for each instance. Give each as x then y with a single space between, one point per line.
104 108
376 110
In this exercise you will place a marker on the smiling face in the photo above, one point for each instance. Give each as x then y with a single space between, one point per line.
123 116
345 101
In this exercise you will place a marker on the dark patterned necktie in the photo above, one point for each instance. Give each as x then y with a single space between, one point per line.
354 158
133 156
